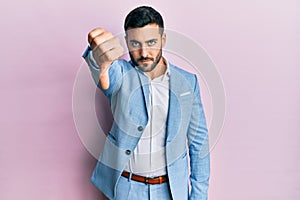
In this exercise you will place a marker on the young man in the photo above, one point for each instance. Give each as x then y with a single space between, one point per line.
158 116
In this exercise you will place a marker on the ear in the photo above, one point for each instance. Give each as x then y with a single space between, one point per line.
163 39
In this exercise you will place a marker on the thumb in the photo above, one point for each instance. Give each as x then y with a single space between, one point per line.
104 76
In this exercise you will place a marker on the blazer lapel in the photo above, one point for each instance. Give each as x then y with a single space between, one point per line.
144 82
174 112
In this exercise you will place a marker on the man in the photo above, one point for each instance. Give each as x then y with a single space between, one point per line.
158 116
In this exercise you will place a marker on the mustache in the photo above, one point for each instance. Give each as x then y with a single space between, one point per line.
144 59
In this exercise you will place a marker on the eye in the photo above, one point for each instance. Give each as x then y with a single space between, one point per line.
135 44
151 42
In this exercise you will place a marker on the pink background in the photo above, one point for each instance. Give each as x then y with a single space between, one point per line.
255 45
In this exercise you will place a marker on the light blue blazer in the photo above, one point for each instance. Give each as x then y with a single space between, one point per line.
128 95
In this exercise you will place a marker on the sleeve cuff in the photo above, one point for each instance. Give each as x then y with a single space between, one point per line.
86 52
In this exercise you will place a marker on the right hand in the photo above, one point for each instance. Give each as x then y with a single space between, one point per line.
106 49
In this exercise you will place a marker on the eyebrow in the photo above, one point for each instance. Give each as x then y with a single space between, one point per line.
154 39
134 41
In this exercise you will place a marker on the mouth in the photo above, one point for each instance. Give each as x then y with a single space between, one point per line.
145 60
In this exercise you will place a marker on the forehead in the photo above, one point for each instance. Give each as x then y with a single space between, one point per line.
148 32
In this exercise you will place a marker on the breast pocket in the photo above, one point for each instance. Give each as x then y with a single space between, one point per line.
186 98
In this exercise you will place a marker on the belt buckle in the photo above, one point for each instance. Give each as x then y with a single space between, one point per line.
147 179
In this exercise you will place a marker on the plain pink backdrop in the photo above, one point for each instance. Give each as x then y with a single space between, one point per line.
255 45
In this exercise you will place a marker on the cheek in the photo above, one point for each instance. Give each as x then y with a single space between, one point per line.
134 53
156 54
155 50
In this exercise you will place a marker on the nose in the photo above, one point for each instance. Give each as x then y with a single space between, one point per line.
144 52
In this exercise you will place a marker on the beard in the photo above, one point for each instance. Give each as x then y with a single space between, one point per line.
146 67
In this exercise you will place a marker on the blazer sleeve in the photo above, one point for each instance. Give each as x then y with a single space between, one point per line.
115 73
198 149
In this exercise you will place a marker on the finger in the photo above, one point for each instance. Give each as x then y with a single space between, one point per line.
112 54
94 33
106 46
109 44
99 39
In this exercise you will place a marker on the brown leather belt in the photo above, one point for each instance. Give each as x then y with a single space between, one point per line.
146 180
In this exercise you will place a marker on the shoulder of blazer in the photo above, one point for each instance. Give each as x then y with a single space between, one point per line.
190 77
181 71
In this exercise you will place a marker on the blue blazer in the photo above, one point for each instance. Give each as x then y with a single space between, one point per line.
186 140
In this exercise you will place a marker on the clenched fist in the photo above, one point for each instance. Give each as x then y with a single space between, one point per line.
106 49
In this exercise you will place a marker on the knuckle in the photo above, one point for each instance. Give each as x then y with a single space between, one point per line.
98 30
107 35
97 40
94 33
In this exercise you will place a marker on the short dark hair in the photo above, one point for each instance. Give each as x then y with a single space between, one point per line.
142 16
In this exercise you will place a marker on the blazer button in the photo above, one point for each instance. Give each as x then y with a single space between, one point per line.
140 128
128 152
